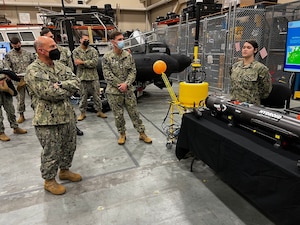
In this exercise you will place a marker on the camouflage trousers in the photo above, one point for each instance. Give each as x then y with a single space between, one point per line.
20 98
118 103
59 145
88 88
6 102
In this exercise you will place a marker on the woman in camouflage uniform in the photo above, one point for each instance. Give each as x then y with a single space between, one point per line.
250 79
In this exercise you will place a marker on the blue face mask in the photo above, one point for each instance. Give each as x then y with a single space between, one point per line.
121 44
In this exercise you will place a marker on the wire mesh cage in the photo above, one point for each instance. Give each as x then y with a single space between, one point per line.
277 18
222 36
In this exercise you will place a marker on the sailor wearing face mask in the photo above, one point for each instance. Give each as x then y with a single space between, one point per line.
18 60
51 84
65 58
86 60
120 72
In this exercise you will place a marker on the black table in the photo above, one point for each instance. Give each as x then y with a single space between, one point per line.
268 177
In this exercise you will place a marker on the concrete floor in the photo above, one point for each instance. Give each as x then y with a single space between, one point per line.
133 184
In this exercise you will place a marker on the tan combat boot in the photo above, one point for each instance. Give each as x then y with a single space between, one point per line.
81 117
19 130
53 187
68 175
101 114
145 138
21 118
3 137
122 139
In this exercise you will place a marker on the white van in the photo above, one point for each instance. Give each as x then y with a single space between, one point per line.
27 34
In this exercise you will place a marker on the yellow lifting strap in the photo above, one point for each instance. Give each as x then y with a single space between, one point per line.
172 93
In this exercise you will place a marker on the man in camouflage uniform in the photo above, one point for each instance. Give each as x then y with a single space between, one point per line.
120 72
17 60
51 84
7 91
86 59
65 58
250 80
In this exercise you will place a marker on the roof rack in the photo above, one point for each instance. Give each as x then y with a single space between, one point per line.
89 21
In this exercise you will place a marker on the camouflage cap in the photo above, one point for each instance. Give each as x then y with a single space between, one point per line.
2 76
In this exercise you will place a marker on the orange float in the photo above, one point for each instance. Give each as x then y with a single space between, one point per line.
159 67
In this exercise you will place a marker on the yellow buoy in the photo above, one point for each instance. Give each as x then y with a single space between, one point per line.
192 94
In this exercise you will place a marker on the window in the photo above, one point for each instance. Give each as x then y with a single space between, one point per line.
27 36
13 34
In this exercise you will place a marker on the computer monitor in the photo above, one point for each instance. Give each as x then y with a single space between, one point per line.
292 48
4 48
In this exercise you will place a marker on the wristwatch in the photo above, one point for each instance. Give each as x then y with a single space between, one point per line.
59 84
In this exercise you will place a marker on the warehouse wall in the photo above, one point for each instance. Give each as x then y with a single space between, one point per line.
132 14
132 4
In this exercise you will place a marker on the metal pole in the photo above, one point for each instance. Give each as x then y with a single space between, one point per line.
68 28
196 62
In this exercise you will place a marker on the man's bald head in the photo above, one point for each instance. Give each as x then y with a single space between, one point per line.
43 45
40 42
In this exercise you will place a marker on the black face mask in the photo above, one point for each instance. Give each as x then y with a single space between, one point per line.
86 43
18 49
54 54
